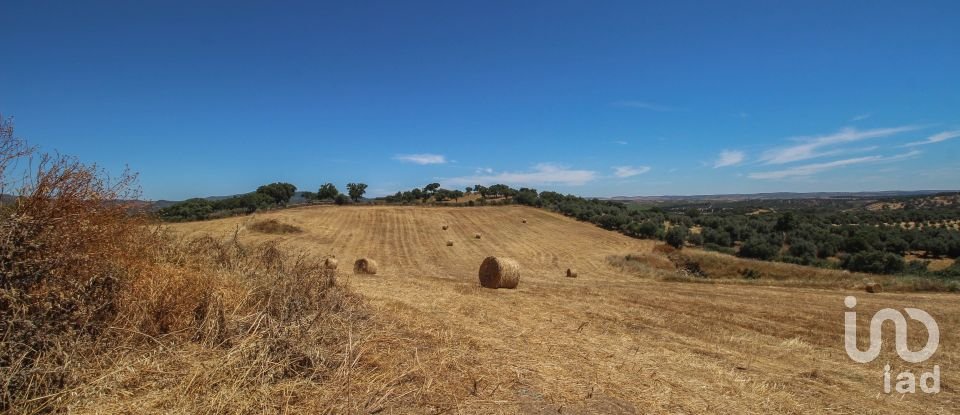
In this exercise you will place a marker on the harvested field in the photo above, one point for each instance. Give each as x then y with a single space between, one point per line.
620 338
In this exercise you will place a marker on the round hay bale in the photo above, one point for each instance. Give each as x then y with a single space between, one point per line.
365 266
523 220
445 227
476 236
571 273
449 243
499 273
330 263
874 287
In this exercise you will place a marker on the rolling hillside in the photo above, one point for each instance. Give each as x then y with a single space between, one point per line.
609 341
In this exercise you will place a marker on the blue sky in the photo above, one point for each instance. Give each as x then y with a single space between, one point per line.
593 98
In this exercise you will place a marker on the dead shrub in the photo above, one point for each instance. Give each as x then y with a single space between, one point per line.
68 245
274 227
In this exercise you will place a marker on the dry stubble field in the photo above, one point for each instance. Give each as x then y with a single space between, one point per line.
608 341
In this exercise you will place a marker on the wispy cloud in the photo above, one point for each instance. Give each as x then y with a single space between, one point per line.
860 117
541 174
646 106
811 169
629 171
729 158
621 142
936 138
814 147
421 159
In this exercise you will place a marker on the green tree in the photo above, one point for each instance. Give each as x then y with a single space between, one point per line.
280 192
356 190
327 191
876 262
758 248
676 236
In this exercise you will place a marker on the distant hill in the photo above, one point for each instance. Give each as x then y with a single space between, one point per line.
779 196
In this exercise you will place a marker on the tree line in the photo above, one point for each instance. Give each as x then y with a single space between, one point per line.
268 196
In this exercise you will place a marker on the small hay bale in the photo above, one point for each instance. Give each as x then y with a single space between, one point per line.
476 236
445 227
365 266
449 243
571 273
499 273
330 263
873 287
523 220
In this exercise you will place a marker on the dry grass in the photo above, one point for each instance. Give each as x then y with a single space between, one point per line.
275 227
626 339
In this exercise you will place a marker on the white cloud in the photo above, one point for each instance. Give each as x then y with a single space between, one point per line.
936 138
645 105
421 159
861 117
628 171
812 147
729 158
621 142
811 169
542 174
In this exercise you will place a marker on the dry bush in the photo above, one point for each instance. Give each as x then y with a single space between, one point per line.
664 249
330 263
89 291
67 246
273 226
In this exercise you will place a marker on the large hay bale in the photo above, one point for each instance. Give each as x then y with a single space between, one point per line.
449 243
571 273
330 263
365 266
476 236
873 287
523 220
445 227
499 273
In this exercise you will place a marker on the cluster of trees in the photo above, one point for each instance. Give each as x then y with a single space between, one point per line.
265 197
432 191
268 196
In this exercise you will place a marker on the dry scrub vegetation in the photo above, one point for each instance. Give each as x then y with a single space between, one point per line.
273 226
101 312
